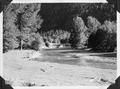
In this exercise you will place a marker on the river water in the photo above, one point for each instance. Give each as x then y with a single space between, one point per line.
79 58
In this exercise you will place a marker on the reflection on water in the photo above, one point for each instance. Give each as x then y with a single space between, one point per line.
59 56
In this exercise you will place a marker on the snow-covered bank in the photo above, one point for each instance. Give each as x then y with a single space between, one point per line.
20 71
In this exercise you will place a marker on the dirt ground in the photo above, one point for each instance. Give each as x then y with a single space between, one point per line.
59 67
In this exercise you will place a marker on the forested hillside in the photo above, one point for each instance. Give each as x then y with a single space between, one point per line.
34 26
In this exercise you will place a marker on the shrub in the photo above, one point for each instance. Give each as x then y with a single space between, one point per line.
29 40
108 44
35 45
36 41
74 40
104 40
26 46
96 39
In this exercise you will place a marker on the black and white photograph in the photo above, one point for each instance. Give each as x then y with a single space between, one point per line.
59 44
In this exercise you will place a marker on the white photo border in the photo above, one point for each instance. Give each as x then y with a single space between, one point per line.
60 1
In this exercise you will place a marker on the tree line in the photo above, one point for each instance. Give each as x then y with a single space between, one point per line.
30 26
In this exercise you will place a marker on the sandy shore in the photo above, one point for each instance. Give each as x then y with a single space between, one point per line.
20 71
